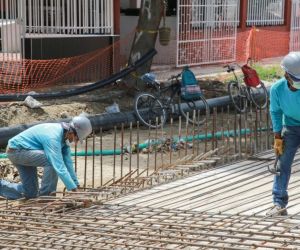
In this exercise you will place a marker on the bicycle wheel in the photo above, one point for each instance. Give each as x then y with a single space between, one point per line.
148 108
196 111
259 96
238 96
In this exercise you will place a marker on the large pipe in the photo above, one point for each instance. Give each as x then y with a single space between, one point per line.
104 121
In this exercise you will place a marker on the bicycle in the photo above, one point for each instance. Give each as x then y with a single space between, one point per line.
253 90
151 108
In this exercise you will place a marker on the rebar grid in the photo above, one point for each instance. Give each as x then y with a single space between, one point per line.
196 148
243 135
214 209
145 220
69 200
115 227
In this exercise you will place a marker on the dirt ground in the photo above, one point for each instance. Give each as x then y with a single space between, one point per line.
94 102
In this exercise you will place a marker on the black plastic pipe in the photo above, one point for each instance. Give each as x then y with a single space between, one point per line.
104 121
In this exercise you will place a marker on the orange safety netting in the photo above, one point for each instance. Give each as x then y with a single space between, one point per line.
19 75
262 42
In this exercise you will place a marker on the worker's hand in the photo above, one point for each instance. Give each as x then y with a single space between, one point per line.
278 146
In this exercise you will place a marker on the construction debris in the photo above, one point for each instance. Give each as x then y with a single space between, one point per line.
32 103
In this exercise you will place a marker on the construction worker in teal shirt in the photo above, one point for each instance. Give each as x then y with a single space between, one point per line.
285 115
44 145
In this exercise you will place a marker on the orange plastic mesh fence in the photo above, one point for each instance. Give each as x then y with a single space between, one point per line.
23 75
261 43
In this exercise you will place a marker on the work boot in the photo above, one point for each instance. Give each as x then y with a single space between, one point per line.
277 211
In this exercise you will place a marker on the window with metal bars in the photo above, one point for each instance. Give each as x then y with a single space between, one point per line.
265 12
68 17
215 13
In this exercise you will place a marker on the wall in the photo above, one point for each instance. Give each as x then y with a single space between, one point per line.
53 48
165 54
127 4
270 41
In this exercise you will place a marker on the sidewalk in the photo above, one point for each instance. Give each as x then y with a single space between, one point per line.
163 72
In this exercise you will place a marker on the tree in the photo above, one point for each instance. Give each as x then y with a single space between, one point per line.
145 38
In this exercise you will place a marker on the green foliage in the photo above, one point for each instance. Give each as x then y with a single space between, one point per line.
269 73
266 73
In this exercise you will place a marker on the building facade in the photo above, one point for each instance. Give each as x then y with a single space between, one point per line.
217 31
46 29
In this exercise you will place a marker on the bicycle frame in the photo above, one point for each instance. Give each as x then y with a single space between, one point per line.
242 87
167 100
175 89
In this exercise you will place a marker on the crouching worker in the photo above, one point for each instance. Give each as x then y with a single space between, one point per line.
45 145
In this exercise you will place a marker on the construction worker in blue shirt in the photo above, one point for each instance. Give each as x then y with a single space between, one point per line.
44 145
285 115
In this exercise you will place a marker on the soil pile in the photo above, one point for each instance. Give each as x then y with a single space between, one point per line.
94 102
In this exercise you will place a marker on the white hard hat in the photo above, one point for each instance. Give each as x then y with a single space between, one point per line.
82 125
291 64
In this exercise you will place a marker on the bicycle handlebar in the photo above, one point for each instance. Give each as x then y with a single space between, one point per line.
229 67
174 77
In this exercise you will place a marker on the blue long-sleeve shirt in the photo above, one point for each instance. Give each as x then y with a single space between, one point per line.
49 137
284 106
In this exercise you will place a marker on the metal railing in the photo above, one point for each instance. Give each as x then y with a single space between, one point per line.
67 17
295 26
206 31
60 17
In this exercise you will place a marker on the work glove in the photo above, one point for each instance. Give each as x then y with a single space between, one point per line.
278 146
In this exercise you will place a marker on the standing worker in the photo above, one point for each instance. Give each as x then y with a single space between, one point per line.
45 145
285 115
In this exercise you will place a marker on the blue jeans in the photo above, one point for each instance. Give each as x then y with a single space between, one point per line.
291 142
27 161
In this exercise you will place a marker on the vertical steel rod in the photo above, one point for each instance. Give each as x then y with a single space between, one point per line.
137 147
149 148
193 132
156 144
171 140
114 156
162 142
198 132
101 157
179 136
85 163
130 146
186 133
93 161
235 131
122 147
